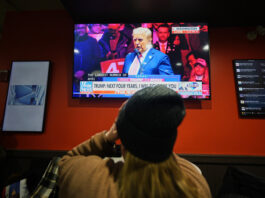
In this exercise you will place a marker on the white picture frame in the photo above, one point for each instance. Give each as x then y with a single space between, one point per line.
26 97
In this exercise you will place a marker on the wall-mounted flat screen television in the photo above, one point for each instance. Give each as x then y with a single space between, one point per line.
115 60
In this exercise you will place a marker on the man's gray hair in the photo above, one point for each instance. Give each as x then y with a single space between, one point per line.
143 31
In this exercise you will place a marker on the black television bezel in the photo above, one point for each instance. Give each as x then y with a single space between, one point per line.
148 20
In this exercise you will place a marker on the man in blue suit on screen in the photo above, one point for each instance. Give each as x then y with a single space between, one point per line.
145 59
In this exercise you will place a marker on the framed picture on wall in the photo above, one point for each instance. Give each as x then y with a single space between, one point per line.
26 97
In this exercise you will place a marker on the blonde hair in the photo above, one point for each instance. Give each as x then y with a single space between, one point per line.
143 31
205 79
143 179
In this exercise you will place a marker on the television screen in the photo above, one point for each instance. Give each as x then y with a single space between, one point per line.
26 97
250 87
116 60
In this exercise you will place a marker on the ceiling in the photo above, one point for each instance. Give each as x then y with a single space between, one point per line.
26 5
216 13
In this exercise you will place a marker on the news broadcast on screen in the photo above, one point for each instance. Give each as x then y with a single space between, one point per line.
116 60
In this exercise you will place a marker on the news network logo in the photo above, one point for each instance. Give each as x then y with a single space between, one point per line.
86 87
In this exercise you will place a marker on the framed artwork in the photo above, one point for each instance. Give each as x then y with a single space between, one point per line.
26 97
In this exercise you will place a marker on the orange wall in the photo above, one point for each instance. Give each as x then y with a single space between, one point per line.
210 127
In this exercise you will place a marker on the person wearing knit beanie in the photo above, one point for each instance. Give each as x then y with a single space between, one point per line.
147 129
147 123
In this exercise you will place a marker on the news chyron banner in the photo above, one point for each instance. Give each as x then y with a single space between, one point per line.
114 86
250 87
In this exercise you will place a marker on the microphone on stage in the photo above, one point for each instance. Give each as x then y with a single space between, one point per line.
138 54
137 51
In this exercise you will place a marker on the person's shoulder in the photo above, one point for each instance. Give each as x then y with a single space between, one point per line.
156 45
131 54
91 39
158 53
104 39
193 172
188 165
88 169
81 164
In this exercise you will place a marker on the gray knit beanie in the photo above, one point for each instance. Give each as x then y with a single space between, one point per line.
147 123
